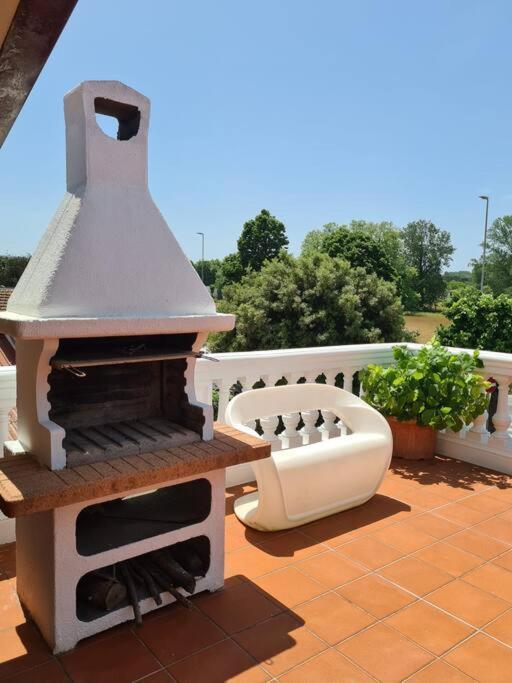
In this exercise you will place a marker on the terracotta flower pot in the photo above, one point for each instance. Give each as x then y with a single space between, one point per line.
412 441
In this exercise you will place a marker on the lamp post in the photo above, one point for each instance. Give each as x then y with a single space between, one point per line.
202 254
486 199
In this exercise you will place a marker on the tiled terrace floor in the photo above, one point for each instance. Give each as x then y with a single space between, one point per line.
415 585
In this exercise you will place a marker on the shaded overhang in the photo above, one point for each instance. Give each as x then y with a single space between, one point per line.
29 30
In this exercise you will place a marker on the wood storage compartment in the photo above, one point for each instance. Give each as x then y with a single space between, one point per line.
121 521
173 569
119 396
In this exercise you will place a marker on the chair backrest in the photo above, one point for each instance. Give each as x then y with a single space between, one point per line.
292 398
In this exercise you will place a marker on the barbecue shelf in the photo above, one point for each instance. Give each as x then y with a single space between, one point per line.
113 524
87 612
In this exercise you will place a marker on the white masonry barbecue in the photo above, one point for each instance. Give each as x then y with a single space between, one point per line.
109 318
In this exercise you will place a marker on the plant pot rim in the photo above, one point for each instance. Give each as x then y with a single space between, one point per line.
392 418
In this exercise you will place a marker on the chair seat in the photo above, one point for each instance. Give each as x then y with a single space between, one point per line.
299 485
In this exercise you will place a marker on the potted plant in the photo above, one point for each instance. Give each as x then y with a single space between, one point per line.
424 392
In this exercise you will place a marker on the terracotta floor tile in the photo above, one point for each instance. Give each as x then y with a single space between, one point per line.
332 531
21 648
162 676
11 613
330 569
280 643
328 667
223 662
478 544
433 525
375 595
498 528
289 587
369 552
291 546
429 627
501 628
484 659
439 672
403 538
50 672
416 576
493 579
461 514
467 602
385 654
485 503
333 618
252 561
449 559
504 561
224 607
121 658
178 633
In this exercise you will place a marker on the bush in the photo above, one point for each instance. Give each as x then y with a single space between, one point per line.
313 300
434 387
478 321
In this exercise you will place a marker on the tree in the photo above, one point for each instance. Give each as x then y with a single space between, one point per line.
11 269
478 320
377 247
361 250
262 238
498 262
208 270
312 300
429 250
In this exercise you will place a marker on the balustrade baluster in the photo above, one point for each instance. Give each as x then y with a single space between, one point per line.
269 426
501 419
478 429
309 432
328 429
224 387
290 437
348 377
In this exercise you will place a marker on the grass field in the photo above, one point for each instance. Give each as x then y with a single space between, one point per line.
425 324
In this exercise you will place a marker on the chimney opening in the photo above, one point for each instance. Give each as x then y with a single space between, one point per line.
127 115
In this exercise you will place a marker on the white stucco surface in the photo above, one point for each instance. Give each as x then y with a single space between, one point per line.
108 254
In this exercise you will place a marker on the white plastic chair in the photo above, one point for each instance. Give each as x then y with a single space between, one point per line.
299 485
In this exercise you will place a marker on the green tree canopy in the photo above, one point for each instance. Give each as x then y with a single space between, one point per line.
209 270
498 262
378 247
429 251
262 238
478 321
11 269
312 300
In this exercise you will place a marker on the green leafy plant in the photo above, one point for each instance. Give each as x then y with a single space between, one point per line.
434 387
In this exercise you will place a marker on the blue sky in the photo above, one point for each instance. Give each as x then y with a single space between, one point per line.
318 111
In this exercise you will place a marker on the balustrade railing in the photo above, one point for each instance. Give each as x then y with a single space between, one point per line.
334 365
340 365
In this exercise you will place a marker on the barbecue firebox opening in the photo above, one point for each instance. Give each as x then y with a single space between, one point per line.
121 396
118 522
174 569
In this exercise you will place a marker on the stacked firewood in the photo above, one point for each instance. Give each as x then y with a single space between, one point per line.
168 569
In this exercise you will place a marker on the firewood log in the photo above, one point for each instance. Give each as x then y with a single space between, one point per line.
101 590
180 577
148 580
132 593
189 559
165 582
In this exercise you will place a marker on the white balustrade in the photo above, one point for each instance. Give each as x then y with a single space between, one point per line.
290 436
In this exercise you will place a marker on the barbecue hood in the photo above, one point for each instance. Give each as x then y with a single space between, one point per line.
108 263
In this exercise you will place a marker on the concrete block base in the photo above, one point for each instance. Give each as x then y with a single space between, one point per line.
49 566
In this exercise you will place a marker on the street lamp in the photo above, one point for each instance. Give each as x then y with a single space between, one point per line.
202 254
486 198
